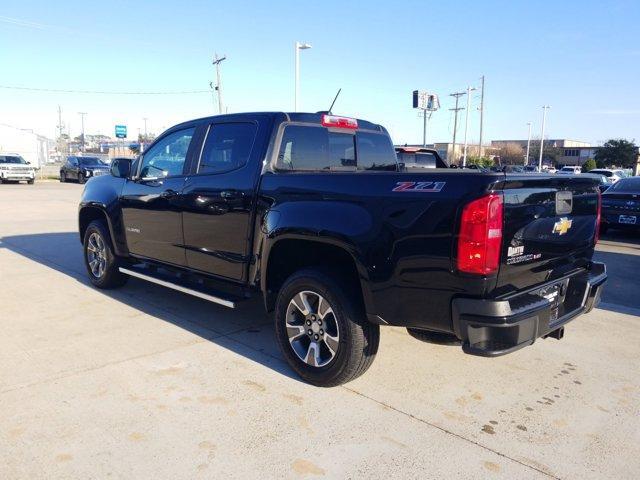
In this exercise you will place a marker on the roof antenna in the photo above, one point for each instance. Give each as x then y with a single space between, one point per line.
334 101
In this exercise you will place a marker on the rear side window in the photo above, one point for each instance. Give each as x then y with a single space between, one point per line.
375 152
227 147
310 148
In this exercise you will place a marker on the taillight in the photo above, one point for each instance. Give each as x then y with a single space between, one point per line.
596 237
480 238
339 122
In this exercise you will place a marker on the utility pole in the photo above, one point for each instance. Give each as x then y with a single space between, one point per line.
59 122
481 113
544 119
526 160
466 125
82 114
457 96
144 139
217 61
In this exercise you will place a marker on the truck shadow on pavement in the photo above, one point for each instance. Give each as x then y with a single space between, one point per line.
246 330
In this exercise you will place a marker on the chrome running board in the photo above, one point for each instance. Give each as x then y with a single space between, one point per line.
179 288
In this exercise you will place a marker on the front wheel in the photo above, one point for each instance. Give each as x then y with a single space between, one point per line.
63 177
322 330
101 263
31 181
81 178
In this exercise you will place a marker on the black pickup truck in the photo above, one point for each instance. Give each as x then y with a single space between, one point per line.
313 212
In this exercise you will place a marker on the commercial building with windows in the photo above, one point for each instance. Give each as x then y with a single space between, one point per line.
574 152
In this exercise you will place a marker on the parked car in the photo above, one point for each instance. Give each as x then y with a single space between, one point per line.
570 170
612 175
82 168
621 205
312 212
14 168
549 170
419 157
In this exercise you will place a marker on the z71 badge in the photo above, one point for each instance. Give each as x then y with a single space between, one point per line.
426 187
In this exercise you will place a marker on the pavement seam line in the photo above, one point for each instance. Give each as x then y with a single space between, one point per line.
457 435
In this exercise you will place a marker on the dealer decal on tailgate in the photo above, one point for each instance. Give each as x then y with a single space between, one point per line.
428 187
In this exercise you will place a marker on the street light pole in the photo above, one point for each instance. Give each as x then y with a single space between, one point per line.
544 119
466 125
82 114
526 160
299 46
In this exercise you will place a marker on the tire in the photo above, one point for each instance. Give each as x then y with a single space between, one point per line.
348 346
63 177
32 181
106 275
81 179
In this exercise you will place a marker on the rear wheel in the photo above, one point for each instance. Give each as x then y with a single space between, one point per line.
102 264
322 330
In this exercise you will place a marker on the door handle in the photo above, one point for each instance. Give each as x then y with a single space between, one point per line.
231 194
168 194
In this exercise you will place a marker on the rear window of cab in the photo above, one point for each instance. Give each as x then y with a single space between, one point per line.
316 149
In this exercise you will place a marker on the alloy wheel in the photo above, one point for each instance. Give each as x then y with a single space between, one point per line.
312 328
96 255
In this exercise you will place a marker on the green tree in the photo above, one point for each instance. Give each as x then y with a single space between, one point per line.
617 152
480 161
550 154
589 165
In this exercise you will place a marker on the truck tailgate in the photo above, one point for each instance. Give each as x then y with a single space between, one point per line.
549 228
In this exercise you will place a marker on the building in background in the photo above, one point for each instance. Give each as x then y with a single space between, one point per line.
32 147
572 152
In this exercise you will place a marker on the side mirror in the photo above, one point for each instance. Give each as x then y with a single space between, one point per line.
121 168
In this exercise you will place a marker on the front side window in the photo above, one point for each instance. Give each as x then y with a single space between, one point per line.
166 158
227 147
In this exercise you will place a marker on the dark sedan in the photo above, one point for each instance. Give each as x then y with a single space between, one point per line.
621 205
82 169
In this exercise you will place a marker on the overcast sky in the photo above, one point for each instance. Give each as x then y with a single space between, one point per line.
580 57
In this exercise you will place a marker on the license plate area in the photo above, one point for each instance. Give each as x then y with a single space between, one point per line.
554 293
627 219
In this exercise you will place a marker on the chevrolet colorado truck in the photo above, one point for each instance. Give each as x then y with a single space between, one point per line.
314 213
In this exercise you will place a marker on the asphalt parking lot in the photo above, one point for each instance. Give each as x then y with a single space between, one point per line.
144 382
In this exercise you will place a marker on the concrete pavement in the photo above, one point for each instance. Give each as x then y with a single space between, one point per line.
146 382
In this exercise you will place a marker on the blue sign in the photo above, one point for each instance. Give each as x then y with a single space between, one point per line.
121 131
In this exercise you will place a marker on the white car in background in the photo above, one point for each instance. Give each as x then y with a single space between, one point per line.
14 168
570 170
613 175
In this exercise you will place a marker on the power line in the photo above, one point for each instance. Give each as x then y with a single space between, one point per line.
101 92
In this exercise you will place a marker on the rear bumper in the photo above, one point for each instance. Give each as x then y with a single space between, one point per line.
496 327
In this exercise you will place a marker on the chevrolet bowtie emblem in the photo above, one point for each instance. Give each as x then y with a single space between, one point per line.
562 226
